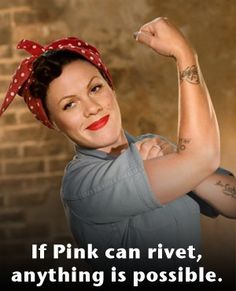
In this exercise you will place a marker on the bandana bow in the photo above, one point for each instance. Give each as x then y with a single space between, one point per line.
22 78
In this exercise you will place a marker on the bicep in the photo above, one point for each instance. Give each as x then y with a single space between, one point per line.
173 175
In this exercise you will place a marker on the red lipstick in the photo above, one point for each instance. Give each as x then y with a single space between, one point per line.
99 124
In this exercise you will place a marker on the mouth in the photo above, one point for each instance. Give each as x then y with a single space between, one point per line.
99 123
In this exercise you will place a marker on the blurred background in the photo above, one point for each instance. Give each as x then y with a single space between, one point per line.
32 157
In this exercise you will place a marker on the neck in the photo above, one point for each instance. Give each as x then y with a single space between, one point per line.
120 145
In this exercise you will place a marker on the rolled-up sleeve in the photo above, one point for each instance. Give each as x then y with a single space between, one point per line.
105 191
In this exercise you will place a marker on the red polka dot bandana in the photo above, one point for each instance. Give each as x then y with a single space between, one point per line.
23 75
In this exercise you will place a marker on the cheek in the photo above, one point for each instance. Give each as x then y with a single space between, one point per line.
111 103
67 122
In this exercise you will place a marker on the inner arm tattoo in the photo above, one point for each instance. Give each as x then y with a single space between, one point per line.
183 143
190 74
227 189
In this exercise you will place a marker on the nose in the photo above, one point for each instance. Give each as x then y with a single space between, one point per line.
91 107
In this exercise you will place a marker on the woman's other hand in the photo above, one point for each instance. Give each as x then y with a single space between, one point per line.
150 148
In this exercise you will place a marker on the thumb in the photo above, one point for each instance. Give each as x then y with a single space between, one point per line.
143 37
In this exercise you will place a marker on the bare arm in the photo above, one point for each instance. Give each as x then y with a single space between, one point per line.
219 191
173 175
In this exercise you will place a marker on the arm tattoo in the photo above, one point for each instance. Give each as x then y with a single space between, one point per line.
190 74
227 189
182 143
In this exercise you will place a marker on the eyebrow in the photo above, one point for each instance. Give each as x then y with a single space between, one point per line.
69 96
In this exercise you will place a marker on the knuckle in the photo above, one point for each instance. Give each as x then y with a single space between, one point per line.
146 146
138 145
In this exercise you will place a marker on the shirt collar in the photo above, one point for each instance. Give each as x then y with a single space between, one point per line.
99 153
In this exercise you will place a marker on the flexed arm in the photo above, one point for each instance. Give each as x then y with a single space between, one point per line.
218 190
173 175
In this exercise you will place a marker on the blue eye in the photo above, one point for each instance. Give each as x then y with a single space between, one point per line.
96 88
69 105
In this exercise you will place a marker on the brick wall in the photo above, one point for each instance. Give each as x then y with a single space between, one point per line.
32 158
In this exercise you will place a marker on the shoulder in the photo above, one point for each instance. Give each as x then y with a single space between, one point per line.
86 175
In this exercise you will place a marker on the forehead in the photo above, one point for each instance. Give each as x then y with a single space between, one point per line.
79 67
75 76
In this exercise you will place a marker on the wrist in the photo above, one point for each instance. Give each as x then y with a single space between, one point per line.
185 58
188 68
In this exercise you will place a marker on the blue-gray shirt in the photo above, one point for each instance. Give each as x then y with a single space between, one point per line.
109 203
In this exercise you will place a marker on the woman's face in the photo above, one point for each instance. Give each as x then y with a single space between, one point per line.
84 107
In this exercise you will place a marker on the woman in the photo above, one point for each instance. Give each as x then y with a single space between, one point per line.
120 191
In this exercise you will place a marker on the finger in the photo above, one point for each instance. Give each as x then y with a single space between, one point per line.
154 152
147 31
167 148
144 149
138 144
157 150
143 37
141 143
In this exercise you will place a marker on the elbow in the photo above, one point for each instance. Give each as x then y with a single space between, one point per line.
215 159
210 160
214 163
229 213
230 216
212 156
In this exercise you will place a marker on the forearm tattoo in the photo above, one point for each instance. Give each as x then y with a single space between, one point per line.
190 74
183 143
227 189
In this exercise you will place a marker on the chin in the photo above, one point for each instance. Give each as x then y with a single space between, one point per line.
109 141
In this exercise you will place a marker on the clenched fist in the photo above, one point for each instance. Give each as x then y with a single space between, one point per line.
150 148
164 37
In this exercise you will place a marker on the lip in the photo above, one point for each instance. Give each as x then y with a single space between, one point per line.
99 123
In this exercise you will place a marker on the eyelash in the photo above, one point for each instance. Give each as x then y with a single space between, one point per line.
68 105
93 90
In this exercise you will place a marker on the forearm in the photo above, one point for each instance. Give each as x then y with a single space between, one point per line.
198 153
198 133
219 191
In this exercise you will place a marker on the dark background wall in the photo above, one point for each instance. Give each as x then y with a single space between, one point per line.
32 158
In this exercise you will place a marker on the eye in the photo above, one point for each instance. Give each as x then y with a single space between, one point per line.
69 105
96 88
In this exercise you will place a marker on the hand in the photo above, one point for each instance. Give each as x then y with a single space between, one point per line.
150 148
164 37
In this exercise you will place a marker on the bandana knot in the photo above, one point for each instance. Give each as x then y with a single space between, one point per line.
31 47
